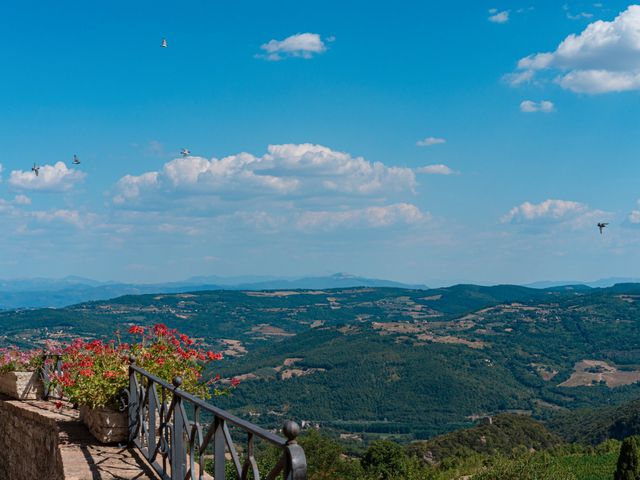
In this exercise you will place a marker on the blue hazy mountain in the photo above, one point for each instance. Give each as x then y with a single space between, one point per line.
47 292
576 284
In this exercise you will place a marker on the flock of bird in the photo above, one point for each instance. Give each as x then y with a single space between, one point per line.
185 152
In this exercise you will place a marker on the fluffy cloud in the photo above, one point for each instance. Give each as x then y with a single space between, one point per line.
71 217
574 214
544 106
285 171
429 141
634 216
21 200
498 17
10 206
303 45
51 178
604 57
374 217
22 217
438 169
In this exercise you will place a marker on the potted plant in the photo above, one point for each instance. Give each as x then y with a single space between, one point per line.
95 374
20 373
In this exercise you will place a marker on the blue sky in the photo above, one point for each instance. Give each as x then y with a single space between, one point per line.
304 123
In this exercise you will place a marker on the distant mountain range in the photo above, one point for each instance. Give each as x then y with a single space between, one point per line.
601 283
47 292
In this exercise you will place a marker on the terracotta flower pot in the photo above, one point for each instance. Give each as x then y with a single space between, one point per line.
22 385
106 425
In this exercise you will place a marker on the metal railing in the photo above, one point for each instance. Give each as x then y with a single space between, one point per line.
177 446
51 366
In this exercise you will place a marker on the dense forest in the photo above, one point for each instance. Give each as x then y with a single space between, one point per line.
365 364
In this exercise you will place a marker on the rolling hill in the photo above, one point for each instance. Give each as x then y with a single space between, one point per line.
55 293
368 361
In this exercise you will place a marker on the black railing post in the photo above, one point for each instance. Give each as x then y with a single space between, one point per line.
296 466
178 450
218 449
51 366
133 406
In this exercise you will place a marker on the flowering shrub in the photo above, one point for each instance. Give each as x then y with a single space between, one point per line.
14 360
95 373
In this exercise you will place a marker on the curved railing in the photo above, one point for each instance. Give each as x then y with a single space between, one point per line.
180 445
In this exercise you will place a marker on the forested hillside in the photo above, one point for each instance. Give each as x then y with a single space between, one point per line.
371 362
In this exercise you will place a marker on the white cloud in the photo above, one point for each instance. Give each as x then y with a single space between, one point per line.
498 17
574 214
604 57
580 16
72 217
9 206
21 200
634 216
51 178
438 169
131 186
518 78
544 106
285 171
303 45
429 141
372 217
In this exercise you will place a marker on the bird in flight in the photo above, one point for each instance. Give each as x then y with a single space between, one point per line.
601 226
164 43
35 169
185 152
76 160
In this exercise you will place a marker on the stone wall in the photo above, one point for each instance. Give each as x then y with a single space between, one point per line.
28 444
40 441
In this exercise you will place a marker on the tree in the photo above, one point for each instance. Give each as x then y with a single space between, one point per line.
385 459
325 458
629 460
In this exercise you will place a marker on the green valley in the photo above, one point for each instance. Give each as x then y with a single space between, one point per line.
361 363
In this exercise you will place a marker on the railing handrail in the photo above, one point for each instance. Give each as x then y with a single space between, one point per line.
218 412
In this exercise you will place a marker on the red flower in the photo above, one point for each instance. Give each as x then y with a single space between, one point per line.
214 356
58 404
86 372
235 382
109 374
135 329
160 330
185 339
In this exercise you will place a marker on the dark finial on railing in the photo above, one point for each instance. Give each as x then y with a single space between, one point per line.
291 430
177 381
132 359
